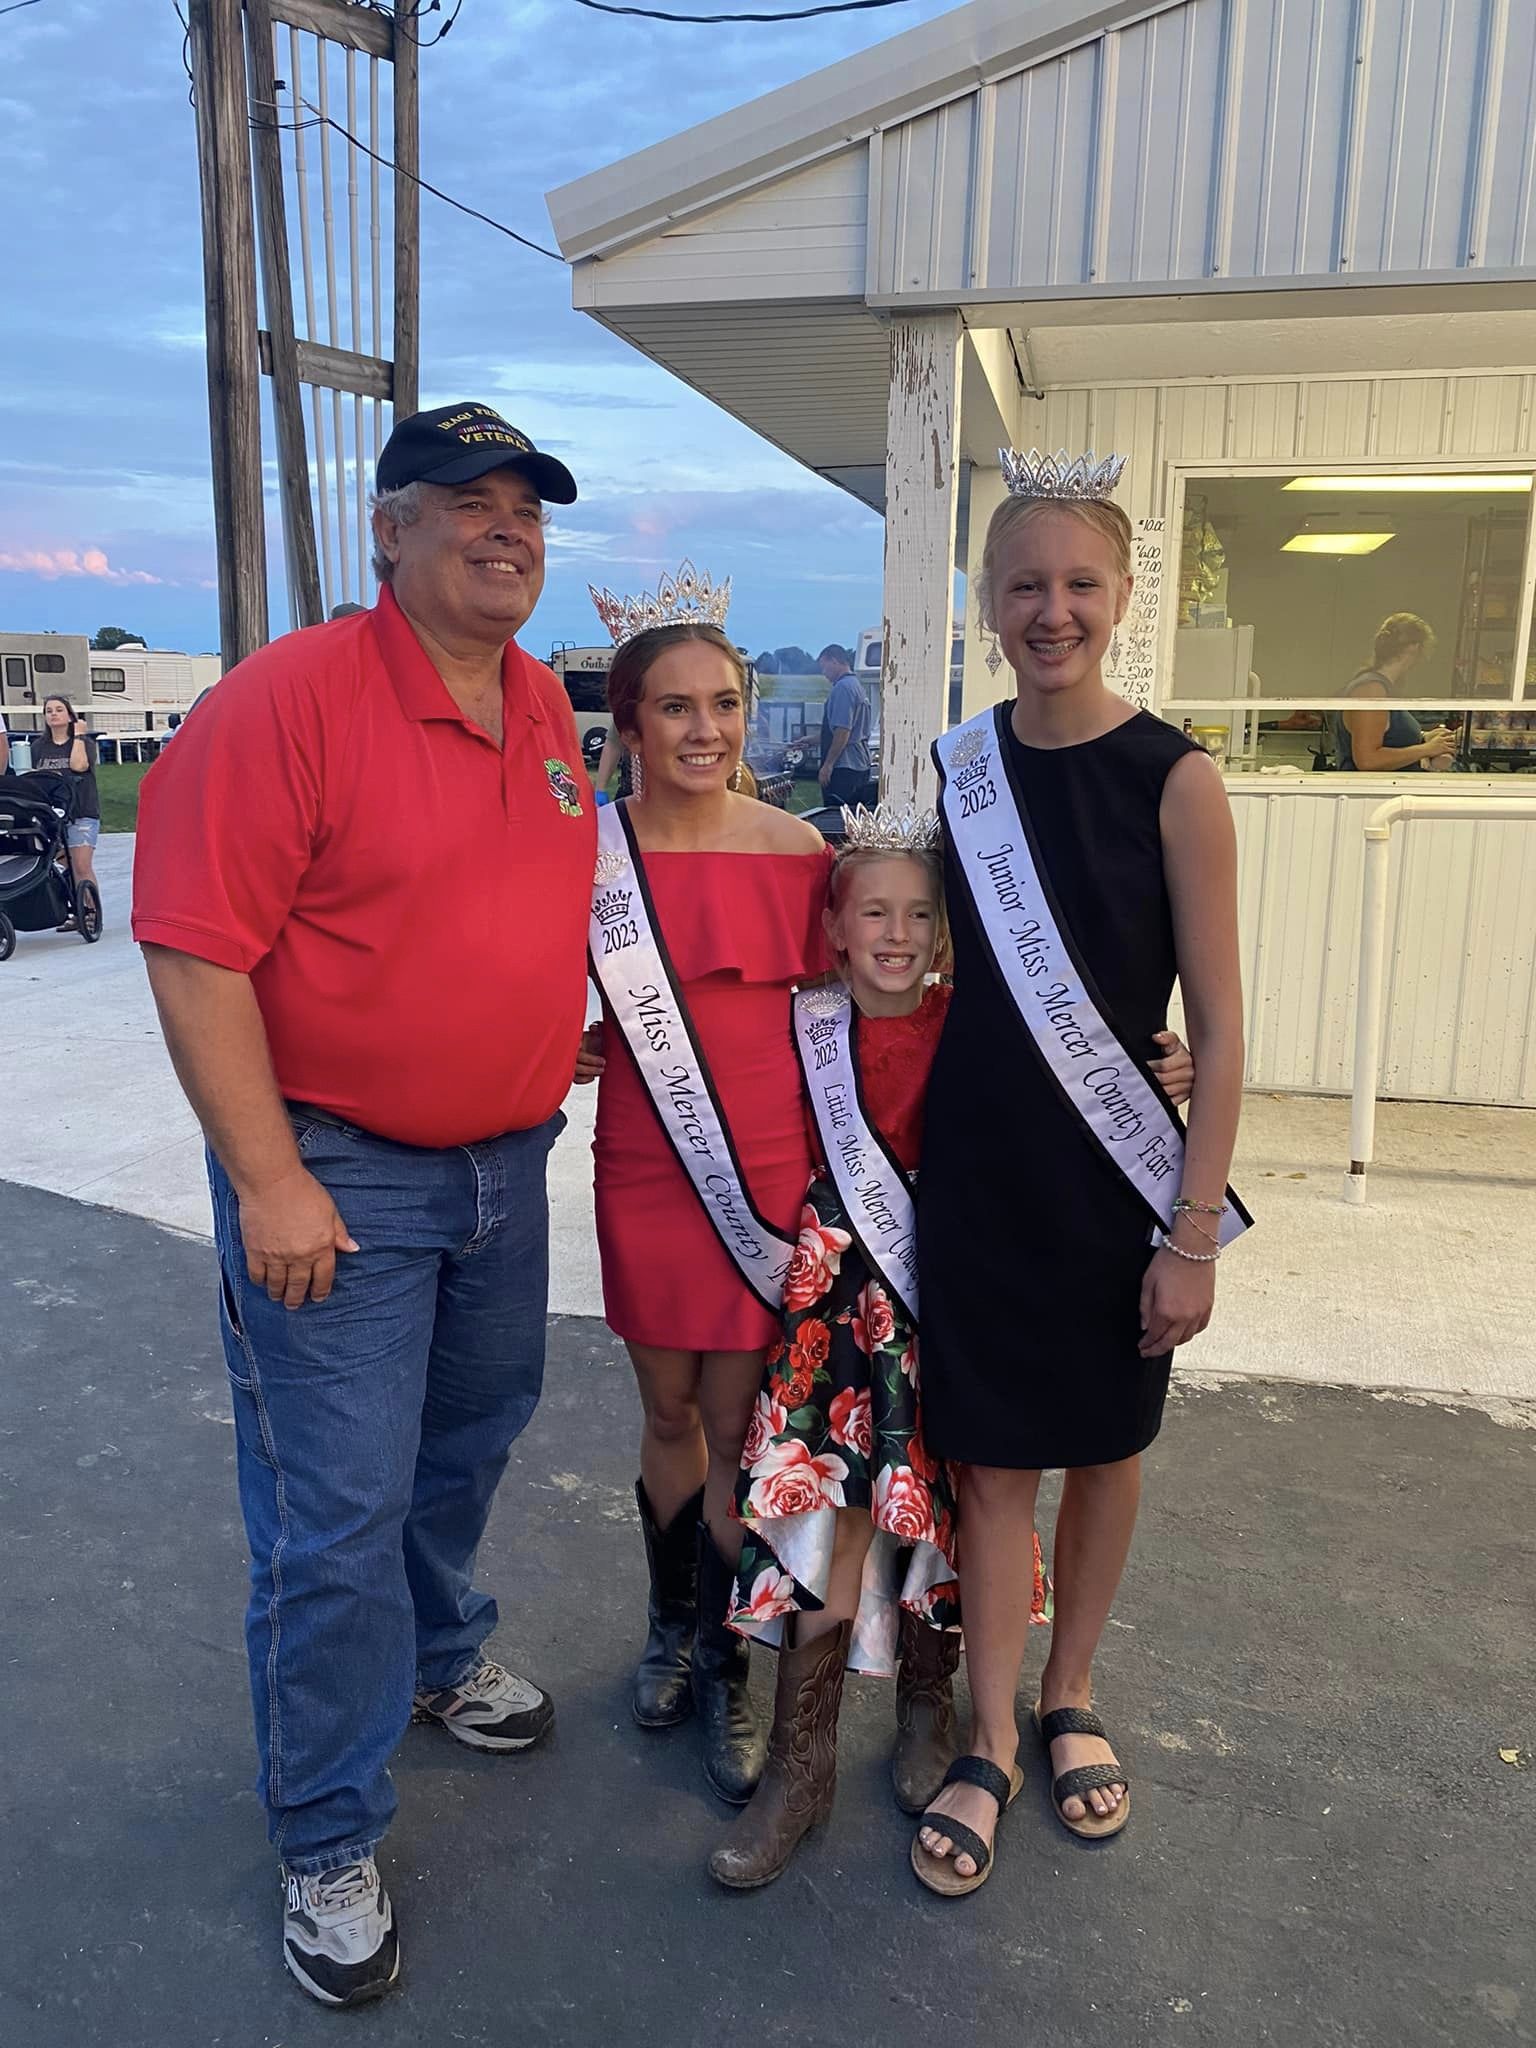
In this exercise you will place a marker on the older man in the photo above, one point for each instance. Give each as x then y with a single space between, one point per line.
361 887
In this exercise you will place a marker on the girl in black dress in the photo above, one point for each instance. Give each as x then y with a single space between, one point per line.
1048 1320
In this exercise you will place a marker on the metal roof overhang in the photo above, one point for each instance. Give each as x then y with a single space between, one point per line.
1135 191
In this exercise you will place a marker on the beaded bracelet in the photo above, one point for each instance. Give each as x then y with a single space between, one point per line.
1195 1258
1199 1208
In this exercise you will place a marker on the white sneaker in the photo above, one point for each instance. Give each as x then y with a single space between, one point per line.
490 1708
339 1935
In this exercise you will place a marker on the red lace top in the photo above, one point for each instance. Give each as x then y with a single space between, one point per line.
895 1055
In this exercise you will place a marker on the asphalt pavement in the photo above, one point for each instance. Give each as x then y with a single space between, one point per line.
1320 1671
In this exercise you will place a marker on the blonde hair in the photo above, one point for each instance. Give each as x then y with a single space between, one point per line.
1105 518
847 858
1399 632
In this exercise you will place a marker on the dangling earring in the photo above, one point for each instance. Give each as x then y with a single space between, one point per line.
736 776
636 773
1114 648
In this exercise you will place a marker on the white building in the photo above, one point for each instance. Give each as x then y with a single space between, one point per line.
1282 253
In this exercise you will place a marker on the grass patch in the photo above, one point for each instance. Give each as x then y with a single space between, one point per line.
117 783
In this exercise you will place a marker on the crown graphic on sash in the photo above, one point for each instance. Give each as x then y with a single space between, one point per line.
1078 479
690 598
823 1010
612 906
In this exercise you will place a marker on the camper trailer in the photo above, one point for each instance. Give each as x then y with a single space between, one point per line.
126 696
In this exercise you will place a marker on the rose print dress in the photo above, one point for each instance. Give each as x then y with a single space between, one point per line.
837 1422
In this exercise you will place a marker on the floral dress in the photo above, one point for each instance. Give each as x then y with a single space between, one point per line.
837 1422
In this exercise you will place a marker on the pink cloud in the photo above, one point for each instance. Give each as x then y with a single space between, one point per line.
51 563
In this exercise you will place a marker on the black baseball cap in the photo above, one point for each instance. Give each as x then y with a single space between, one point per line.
453 444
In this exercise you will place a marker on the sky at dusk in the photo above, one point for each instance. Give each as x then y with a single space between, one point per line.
105 506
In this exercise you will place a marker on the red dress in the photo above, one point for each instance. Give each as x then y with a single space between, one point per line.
741 928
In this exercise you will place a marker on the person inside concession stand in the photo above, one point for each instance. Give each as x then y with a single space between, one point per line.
1089 861
733 891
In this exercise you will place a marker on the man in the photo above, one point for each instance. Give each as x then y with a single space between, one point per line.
362 885
846 776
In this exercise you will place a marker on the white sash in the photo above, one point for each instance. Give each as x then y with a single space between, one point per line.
629 961
1004 875
875 1192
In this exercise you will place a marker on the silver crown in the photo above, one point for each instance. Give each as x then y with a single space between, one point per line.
886 830
970 747
610 864
1078 478
824 1002
690 598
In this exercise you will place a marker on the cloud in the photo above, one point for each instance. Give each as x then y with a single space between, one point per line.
51 563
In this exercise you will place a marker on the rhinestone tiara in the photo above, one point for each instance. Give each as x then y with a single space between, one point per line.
689 598
1079 477
886 830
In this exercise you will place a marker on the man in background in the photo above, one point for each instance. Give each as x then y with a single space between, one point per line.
846 775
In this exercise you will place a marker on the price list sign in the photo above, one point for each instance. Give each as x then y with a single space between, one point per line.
1131 668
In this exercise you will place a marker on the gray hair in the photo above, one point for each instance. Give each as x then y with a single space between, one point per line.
401 508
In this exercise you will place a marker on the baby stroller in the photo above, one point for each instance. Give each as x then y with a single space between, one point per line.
38 890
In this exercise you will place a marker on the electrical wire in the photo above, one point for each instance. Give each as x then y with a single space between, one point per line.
17 5
797 14
320 120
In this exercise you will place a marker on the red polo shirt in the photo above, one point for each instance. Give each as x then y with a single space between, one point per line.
409 902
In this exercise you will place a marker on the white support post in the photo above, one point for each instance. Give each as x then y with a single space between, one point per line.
982 684
921 493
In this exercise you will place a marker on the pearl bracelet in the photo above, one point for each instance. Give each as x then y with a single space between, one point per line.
1195 1258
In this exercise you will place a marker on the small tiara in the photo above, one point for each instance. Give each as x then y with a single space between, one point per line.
1079 478
689 598
884 830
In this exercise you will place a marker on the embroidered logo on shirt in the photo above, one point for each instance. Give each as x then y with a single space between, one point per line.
564 788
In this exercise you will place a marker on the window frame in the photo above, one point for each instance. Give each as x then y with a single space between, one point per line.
1179 475
109 688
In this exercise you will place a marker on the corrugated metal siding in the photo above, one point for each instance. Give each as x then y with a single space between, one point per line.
1461 995
807 232
1324 419
1230 138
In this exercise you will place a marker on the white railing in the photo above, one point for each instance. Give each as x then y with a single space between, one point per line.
1373 945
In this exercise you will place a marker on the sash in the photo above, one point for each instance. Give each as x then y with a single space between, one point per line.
630 964
872 1183
1121 1108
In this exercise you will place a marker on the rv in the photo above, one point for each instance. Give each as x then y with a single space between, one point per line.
584 672
872 653
129 693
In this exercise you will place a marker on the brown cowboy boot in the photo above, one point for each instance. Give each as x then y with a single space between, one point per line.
800 1781
925 1712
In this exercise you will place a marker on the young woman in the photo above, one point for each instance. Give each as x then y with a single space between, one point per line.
64 744
1049 1321
731 891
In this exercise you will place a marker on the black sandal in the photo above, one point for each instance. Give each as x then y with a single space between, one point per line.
938 1873
1093 1827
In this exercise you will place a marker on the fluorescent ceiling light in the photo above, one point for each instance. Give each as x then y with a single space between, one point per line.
1494 480
1335 543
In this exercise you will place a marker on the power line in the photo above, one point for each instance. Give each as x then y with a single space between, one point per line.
798 14
329 121
17 5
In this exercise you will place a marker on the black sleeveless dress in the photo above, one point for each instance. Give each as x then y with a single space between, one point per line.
1032 1247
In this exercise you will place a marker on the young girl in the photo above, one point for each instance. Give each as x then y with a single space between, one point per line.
1089 860
849 1552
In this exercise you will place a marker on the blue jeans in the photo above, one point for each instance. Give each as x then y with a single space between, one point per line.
371 1432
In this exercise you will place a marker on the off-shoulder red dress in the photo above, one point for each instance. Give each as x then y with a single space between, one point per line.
741 928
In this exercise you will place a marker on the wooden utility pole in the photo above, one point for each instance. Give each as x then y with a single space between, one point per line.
229 298
242 120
